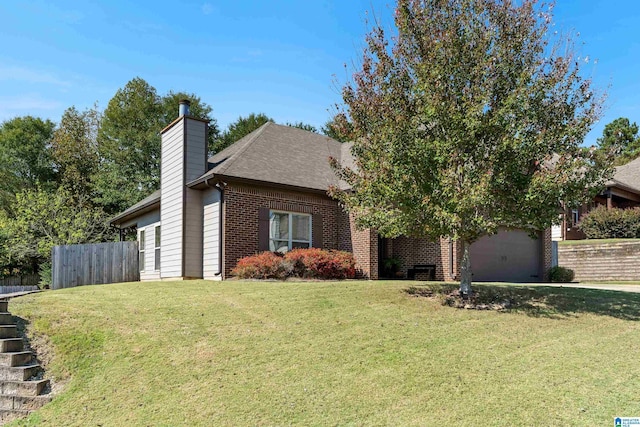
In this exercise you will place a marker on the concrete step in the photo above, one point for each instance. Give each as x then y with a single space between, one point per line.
11 344
28 403
8 331
18 373
23 388
7 415
6 319
16 358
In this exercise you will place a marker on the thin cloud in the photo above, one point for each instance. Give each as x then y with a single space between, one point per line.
30 76
12 106
207 8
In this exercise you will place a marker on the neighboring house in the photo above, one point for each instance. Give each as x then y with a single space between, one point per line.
622 191
268 191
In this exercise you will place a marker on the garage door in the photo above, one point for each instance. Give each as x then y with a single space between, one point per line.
509 256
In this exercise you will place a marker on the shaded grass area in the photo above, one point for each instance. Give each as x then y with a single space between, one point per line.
595 241
334 353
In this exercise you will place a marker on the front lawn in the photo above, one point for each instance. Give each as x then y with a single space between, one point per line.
333 353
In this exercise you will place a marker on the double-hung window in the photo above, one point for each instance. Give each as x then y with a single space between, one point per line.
156 249
141 243
288 230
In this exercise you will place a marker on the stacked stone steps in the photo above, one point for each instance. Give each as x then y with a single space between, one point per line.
21 389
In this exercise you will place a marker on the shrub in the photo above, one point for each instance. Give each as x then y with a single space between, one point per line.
45 275
306 263
561 274
322 264
265 265
603 223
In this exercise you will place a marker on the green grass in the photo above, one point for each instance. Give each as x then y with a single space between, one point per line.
595 241
338 353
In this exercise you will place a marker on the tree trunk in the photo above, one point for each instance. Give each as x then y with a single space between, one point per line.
465 271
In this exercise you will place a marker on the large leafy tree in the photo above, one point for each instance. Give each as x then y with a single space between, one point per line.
621 137
129 146
25 156
129 142
197 108
457 118
339 128
240 128
75 149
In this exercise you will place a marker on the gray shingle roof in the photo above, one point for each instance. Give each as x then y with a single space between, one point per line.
282 155
147 202
627 175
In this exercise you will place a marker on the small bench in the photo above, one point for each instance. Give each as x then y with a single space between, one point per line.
430 269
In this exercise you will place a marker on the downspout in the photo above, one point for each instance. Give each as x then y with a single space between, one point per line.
220 187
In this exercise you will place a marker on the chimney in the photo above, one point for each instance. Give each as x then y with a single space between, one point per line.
184 107
183 159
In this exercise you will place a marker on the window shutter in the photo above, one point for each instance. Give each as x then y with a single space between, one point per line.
316 232
263 229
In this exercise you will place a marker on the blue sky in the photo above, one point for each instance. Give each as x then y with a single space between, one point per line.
279 57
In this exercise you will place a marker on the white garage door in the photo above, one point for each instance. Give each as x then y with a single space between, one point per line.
509 256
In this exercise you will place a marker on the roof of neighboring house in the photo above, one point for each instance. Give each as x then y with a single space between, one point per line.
281 155
142 206
627 176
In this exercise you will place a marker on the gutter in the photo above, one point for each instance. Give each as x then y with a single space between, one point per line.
220 186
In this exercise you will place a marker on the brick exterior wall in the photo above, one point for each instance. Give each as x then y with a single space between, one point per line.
412 251
241 207
602 261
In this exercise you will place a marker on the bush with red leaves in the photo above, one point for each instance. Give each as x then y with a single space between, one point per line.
305 263
322 264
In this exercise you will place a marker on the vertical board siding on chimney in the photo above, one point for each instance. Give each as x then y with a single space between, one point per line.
195 164
211 232
171 207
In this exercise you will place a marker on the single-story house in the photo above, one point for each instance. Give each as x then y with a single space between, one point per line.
622 191
268 191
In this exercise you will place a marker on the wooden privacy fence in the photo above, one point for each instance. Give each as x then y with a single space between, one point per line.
25 280
94 263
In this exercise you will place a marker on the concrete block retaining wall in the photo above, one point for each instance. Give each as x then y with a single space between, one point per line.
602 261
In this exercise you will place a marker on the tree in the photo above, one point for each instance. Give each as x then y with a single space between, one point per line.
240 128
48 218
456 121
197 108
621 137
129 142
75 149
25 156
129 147
339 128
303 126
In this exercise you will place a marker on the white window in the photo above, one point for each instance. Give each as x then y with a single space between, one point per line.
288 231
575 216
157 249
141 243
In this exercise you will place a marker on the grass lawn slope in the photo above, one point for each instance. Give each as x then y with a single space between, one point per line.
335 353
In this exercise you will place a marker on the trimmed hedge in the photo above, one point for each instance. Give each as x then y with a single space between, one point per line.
561 274
601 223
304 263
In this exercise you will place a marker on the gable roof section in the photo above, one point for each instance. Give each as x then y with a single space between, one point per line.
281 155
150 202
627 176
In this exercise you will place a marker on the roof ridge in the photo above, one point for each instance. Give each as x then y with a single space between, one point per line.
237 154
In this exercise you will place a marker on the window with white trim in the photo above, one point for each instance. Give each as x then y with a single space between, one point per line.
141 243
289 230
156 249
